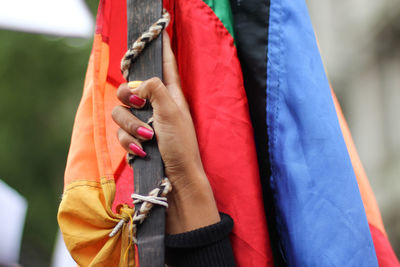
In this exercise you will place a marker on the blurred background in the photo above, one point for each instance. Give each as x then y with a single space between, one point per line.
41 79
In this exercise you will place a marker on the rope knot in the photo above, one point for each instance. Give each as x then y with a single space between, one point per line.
157 196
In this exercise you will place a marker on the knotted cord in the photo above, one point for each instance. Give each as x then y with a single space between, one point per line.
157 196
142 41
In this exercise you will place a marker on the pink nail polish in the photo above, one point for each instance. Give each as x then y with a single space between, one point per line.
137 150
145 133
137 101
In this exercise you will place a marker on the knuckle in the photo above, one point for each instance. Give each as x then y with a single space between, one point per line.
121 90
119 93
115 112
155 85
131 125
124 138
119 134
155 81
171 113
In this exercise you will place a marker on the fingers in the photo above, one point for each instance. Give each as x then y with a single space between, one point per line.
132 131
130 144
125 95
135 93
130 124
154 91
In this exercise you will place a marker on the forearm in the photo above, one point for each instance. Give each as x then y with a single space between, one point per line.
191 204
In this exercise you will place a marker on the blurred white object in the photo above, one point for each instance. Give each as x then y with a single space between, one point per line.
61 256
55 17
12 209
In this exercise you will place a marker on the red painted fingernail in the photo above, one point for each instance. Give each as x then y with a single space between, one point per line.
137 150
145 133
137 101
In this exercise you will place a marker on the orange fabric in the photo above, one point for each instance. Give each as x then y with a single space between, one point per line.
99 113
85 216
82 137
367 195
89 147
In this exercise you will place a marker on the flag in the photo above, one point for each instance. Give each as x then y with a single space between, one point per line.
326 213
272 138
97 177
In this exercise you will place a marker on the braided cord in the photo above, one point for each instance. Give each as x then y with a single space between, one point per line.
138 46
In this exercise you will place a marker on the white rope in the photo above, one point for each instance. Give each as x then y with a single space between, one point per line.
157 196
117 228
162 201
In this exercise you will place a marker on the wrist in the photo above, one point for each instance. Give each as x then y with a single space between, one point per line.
191 204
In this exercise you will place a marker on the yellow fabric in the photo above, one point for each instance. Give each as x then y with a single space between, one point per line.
85 216
87 220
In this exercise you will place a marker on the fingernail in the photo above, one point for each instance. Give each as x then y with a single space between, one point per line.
137 101
134 84
145 133
137 150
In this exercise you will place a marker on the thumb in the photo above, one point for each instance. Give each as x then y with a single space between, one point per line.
170 73
170 69
158 95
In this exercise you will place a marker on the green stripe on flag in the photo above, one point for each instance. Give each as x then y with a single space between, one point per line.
222 9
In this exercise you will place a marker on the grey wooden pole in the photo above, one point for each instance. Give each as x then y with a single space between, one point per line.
148 172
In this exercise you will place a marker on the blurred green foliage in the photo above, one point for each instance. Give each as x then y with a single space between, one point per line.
41 81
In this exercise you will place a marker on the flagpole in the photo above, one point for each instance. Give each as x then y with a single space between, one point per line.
148 172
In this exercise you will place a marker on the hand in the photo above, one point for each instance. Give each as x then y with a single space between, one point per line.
191 203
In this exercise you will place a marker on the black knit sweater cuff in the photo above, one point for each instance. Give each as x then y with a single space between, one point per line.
207 246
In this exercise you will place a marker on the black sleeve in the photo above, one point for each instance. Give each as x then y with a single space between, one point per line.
208 246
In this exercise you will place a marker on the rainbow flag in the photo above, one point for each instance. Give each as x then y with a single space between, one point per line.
272 138
97 177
